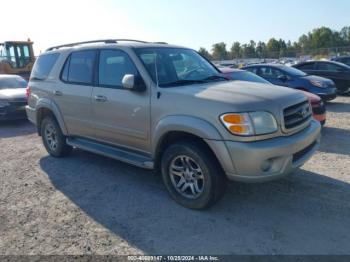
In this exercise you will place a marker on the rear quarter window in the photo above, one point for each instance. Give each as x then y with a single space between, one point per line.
43 66
79 67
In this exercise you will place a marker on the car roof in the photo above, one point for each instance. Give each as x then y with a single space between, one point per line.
270 65
10 76
324 61
226 70
101 44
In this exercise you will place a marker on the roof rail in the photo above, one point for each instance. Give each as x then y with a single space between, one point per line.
106 41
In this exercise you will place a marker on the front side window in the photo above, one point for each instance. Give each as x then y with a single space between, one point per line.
79 67
177 66
328 67
43 66
113 66
269 72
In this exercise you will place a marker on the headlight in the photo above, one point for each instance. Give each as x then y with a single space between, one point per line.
317 83
249 124
4 103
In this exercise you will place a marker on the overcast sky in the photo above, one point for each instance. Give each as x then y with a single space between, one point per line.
192 23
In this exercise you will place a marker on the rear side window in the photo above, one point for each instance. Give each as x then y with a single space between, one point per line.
79 67
309 66
43 66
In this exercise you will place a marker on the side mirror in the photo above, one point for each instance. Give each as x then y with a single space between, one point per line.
134 83
283 78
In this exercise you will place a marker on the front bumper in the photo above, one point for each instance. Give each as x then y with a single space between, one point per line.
251 160
328 96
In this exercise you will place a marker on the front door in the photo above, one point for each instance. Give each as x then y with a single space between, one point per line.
121 116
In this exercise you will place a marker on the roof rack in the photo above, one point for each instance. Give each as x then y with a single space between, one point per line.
106 41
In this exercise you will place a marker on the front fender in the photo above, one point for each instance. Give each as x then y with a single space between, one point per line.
199 128
52 106
183 123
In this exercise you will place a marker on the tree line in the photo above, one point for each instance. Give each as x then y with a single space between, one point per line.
320 41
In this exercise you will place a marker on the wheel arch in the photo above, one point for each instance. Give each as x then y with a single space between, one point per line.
45 108
176 128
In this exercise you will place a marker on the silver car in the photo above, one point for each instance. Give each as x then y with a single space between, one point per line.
165 107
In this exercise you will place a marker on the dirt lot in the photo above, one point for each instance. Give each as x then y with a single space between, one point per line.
90 204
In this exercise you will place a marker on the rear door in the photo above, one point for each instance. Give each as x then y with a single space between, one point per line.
74 93
121 116
339 74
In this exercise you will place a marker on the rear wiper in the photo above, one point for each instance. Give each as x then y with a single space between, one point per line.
182 82
215 77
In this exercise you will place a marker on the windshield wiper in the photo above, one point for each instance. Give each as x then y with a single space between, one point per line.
182 82
215 77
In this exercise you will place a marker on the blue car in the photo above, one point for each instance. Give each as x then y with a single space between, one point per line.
291 77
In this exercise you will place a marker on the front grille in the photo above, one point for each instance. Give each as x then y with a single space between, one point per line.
296 115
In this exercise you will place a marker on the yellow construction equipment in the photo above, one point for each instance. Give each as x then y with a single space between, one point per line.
17 57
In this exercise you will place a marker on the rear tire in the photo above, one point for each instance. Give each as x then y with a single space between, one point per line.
53 139
192 175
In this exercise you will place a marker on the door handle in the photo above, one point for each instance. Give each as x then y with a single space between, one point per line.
101 98
57 93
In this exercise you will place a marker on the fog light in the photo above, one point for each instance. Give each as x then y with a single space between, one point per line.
266 165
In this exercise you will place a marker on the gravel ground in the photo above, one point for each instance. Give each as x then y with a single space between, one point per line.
88 204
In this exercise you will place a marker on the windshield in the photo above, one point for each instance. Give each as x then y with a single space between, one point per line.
293 71
177 66
249 77
12 82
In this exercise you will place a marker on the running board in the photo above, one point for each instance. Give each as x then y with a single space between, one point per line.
112 152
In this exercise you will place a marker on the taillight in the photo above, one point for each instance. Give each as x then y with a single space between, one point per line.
27 92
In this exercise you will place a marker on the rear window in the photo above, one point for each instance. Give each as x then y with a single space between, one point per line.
43 66
12 82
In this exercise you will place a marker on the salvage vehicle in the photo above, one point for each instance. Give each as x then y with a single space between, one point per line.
282 75
165 107
318 106
338 72
12 97
17 58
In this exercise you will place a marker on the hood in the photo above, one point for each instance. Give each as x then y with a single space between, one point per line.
13 93
241 93
317 78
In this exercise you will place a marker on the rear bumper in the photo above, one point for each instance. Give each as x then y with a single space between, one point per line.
274 158
31 114
12 113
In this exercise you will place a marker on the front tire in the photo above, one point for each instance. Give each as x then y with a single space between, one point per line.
192 175
53 139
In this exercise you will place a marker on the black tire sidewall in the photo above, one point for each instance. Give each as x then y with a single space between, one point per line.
209 169
61 145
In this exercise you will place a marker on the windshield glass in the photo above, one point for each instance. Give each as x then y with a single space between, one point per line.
177 66
293 71
12 82
249 77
